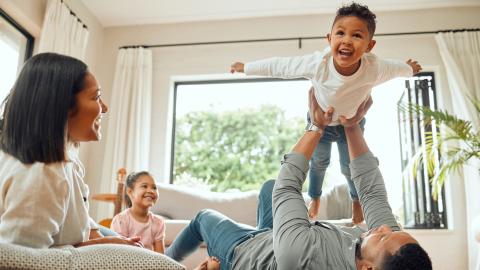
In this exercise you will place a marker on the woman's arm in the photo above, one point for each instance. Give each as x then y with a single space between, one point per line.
95 233
132 241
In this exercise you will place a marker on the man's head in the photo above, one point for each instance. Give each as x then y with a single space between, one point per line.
382 248
351 37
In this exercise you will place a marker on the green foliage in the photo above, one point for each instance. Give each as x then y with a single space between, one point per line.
439 156
235 149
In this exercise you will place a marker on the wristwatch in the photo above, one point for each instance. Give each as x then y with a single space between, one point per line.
314 128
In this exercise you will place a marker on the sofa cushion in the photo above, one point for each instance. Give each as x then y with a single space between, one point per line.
114 256
107 256
177 202
19 257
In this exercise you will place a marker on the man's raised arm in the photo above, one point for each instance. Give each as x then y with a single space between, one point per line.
291 226
366 175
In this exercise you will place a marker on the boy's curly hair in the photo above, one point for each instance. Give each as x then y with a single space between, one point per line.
360 11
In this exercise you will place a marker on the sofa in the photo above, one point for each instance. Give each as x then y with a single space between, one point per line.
178 205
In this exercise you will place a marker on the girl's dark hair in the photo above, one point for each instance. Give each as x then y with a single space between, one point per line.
360 11
34 127
130 183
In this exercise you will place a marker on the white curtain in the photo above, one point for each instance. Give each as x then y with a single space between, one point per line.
460 52
129 117
63 32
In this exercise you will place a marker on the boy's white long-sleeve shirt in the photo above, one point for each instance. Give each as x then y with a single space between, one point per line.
343 93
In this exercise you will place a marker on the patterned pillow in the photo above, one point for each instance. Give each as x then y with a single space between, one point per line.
113 256
107 256
18 257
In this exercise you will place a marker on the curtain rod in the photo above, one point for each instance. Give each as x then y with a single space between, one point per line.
75 15
299 39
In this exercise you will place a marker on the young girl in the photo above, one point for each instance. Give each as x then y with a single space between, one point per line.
137 220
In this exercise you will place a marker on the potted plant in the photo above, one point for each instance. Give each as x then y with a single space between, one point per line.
447 151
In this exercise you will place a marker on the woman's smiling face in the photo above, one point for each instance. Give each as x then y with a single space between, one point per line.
84 121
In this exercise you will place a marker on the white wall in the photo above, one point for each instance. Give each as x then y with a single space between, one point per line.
447 248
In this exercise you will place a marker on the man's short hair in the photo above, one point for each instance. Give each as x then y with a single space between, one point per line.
360 11
408 257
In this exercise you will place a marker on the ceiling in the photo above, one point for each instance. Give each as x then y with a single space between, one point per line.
137 12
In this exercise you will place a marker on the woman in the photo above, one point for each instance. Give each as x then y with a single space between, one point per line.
54 105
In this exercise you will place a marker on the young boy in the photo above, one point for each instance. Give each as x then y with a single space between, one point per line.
343 76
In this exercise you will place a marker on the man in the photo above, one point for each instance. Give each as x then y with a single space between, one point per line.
295 242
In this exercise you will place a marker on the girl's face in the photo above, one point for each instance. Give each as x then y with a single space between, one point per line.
85 119
144 193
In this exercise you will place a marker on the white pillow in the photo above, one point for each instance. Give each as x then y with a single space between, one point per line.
113 256
19 257
106 256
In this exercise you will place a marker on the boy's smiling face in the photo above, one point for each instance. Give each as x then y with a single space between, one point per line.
349 40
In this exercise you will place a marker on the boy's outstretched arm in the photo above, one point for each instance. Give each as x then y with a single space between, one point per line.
416 67
237 67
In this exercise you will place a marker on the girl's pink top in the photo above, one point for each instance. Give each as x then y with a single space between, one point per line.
149 232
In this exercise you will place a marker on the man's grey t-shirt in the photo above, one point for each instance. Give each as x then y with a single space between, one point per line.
297 243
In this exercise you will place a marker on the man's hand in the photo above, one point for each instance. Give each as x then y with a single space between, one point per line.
361 111
318 117
236 67
415 66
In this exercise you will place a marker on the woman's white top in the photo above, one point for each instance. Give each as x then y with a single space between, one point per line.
42 205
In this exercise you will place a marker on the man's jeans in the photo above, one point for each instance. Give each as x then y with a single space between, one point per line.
321 159
220 233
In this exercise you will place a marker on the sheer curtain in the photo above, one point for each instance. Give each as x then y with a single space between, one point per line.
460 52
63 32
129 117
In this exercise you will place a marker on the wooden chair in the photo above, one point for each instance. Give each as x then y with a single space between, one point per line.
115 198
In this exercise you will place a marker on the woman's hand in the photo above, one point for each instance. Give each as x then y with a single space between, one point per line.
361 112
318 117
132 241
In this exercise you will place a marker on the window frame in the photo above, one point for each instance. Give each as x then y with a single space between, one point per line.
23 31
424 212
200 82
443 215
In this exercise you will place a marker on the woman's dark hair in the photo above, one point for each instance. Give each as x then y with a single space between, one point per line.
130 183
36 110
361 12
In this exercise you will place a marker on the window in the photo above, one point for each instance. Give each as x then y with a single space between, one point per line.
16 46
231 135
421 211
216 122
